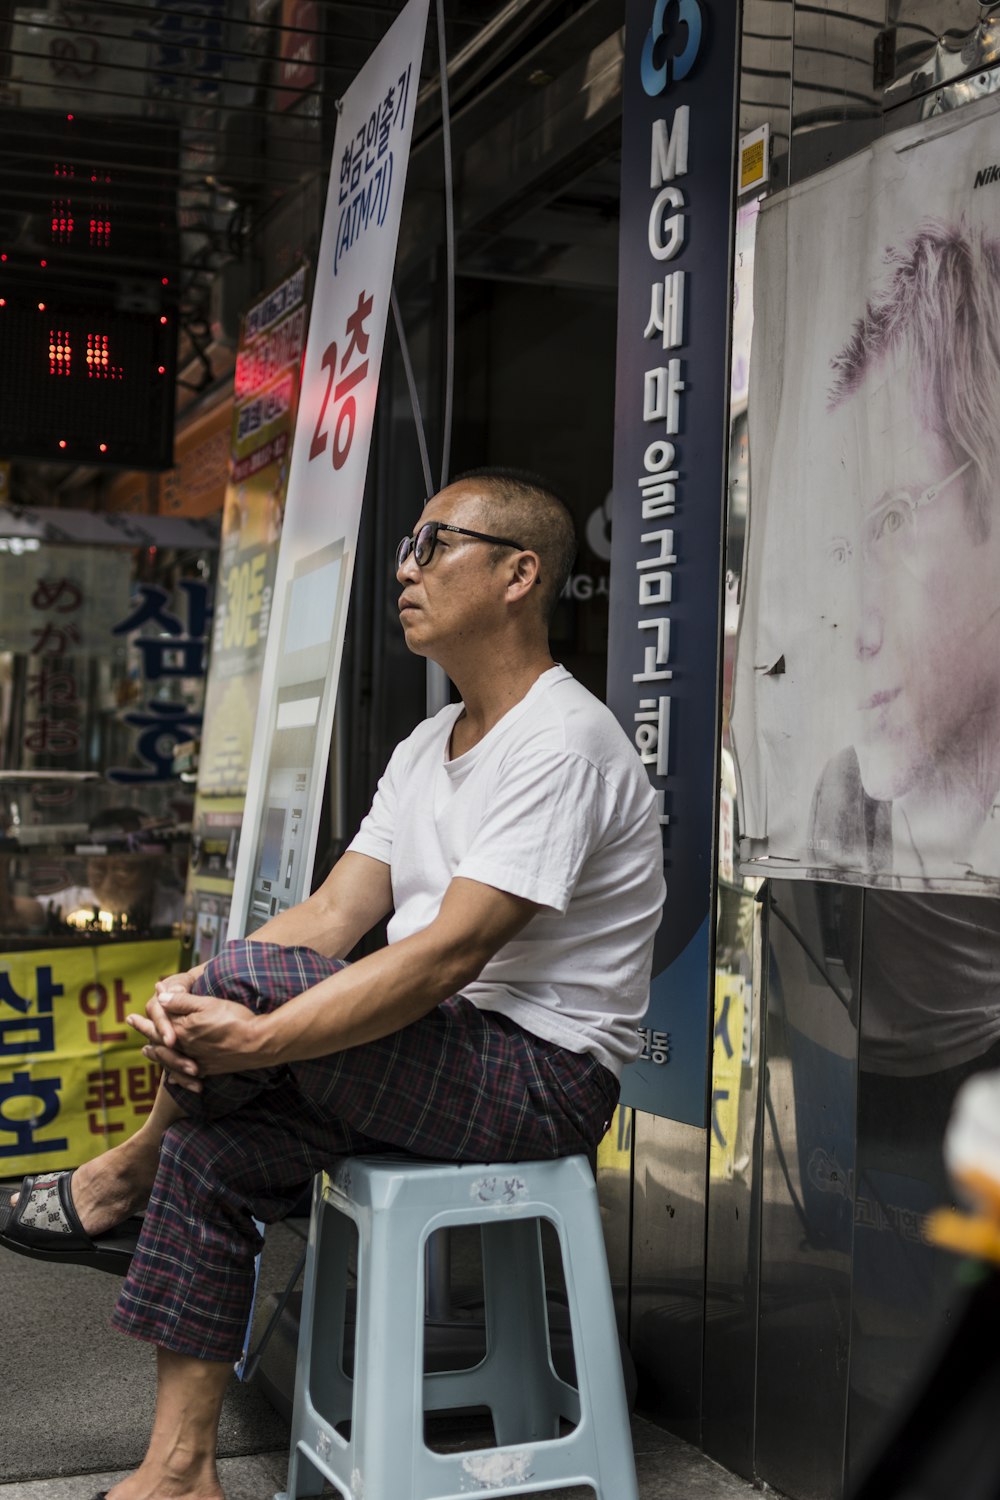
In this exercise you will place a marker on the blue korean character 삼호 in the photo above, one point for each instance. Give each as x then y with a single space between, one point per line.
32 1029
163 726
149 608
24 1128
199 604
171 656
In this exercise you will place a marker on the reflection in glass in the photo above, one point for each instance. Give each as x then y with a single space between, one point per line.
102 673
929 1018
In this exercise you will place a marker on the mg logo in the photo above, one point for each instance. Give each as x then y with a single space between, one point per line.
677 24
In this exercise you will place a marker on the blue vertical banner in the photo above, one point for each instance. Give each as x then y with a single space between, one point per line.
670 466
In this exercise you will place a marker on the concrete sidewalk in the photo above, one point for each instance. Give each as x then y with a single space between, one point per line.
76 1399
668 1470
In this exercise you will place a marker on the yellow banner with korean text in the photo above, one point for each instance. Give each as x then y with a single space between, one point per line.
727 1073
73 1080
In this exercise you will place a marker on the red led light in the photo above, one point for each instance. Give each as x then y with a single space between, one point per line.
69 117
43 264
3 257
161 369
165 281
61 222
3 301
163 319
60 352
103 447
41 307
62 442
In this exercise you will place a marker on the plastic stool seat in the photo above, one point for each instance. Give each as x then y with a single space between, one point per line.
396 1204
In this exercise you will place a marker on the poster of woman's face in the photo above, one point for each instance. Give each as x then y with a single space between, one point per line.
866 716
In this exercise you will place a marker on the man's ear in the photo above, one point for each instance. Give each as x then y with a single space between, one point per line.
525 574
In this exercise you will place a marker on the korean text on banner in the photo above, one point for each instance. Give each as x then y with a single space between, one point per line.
671 436
326 481
73 1080
272 338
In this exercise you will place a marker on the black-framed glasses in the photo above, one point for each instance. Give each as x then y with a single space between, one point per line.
422 543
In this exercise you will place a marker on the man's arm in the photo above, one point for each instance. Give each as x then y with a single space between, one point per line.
355 895
377 995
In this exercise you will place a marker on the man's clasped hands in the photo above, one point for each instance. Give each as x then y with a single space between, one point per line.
193 1036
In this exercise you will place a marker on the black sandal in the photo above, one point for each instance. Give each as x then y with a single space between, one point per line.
44 1225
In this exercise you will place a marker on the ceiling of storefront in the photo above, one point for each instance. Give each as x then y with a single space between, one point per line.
250 129
224 111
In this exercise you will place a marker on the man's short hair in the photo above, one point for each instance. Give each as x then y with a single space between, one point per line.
522 506
940 309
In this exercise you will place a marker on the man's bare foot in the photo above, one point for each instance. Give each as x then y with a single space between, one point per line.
152 1482
107 1190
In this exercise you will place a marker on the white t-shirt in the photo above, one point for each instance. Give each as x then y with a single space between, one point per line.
553 805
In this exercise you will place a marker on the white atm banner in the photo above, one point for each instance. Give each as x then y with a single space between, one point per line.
326 482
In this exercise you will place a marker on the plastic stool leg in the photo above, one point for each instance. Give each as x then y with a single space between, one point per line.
523 1385
319 1372
596 1346
387 1423
330 1388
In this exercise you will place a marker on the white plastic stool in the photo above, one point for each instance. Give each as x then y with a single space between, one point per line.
396 1204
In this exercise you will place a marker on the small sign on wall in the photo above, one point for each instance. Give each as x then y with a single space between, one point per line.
755 159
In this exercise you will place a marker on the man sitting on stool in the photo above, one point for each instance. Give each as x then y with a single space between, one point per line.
514 837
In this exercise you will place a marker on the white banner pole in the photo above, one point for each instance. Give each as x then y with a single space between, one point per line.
326 483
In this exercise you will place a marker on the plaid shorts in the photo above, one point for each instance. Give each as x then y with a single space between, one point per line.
460 1084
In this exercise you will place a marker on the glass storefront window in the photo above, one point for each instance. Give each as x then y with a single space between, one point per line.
102 661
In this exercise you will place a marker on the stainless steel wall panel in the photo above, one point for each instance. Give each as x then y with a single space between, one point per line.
766 77
936 41
614 1192
821 1298
808 1086
833 82
732 1256
668 1270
